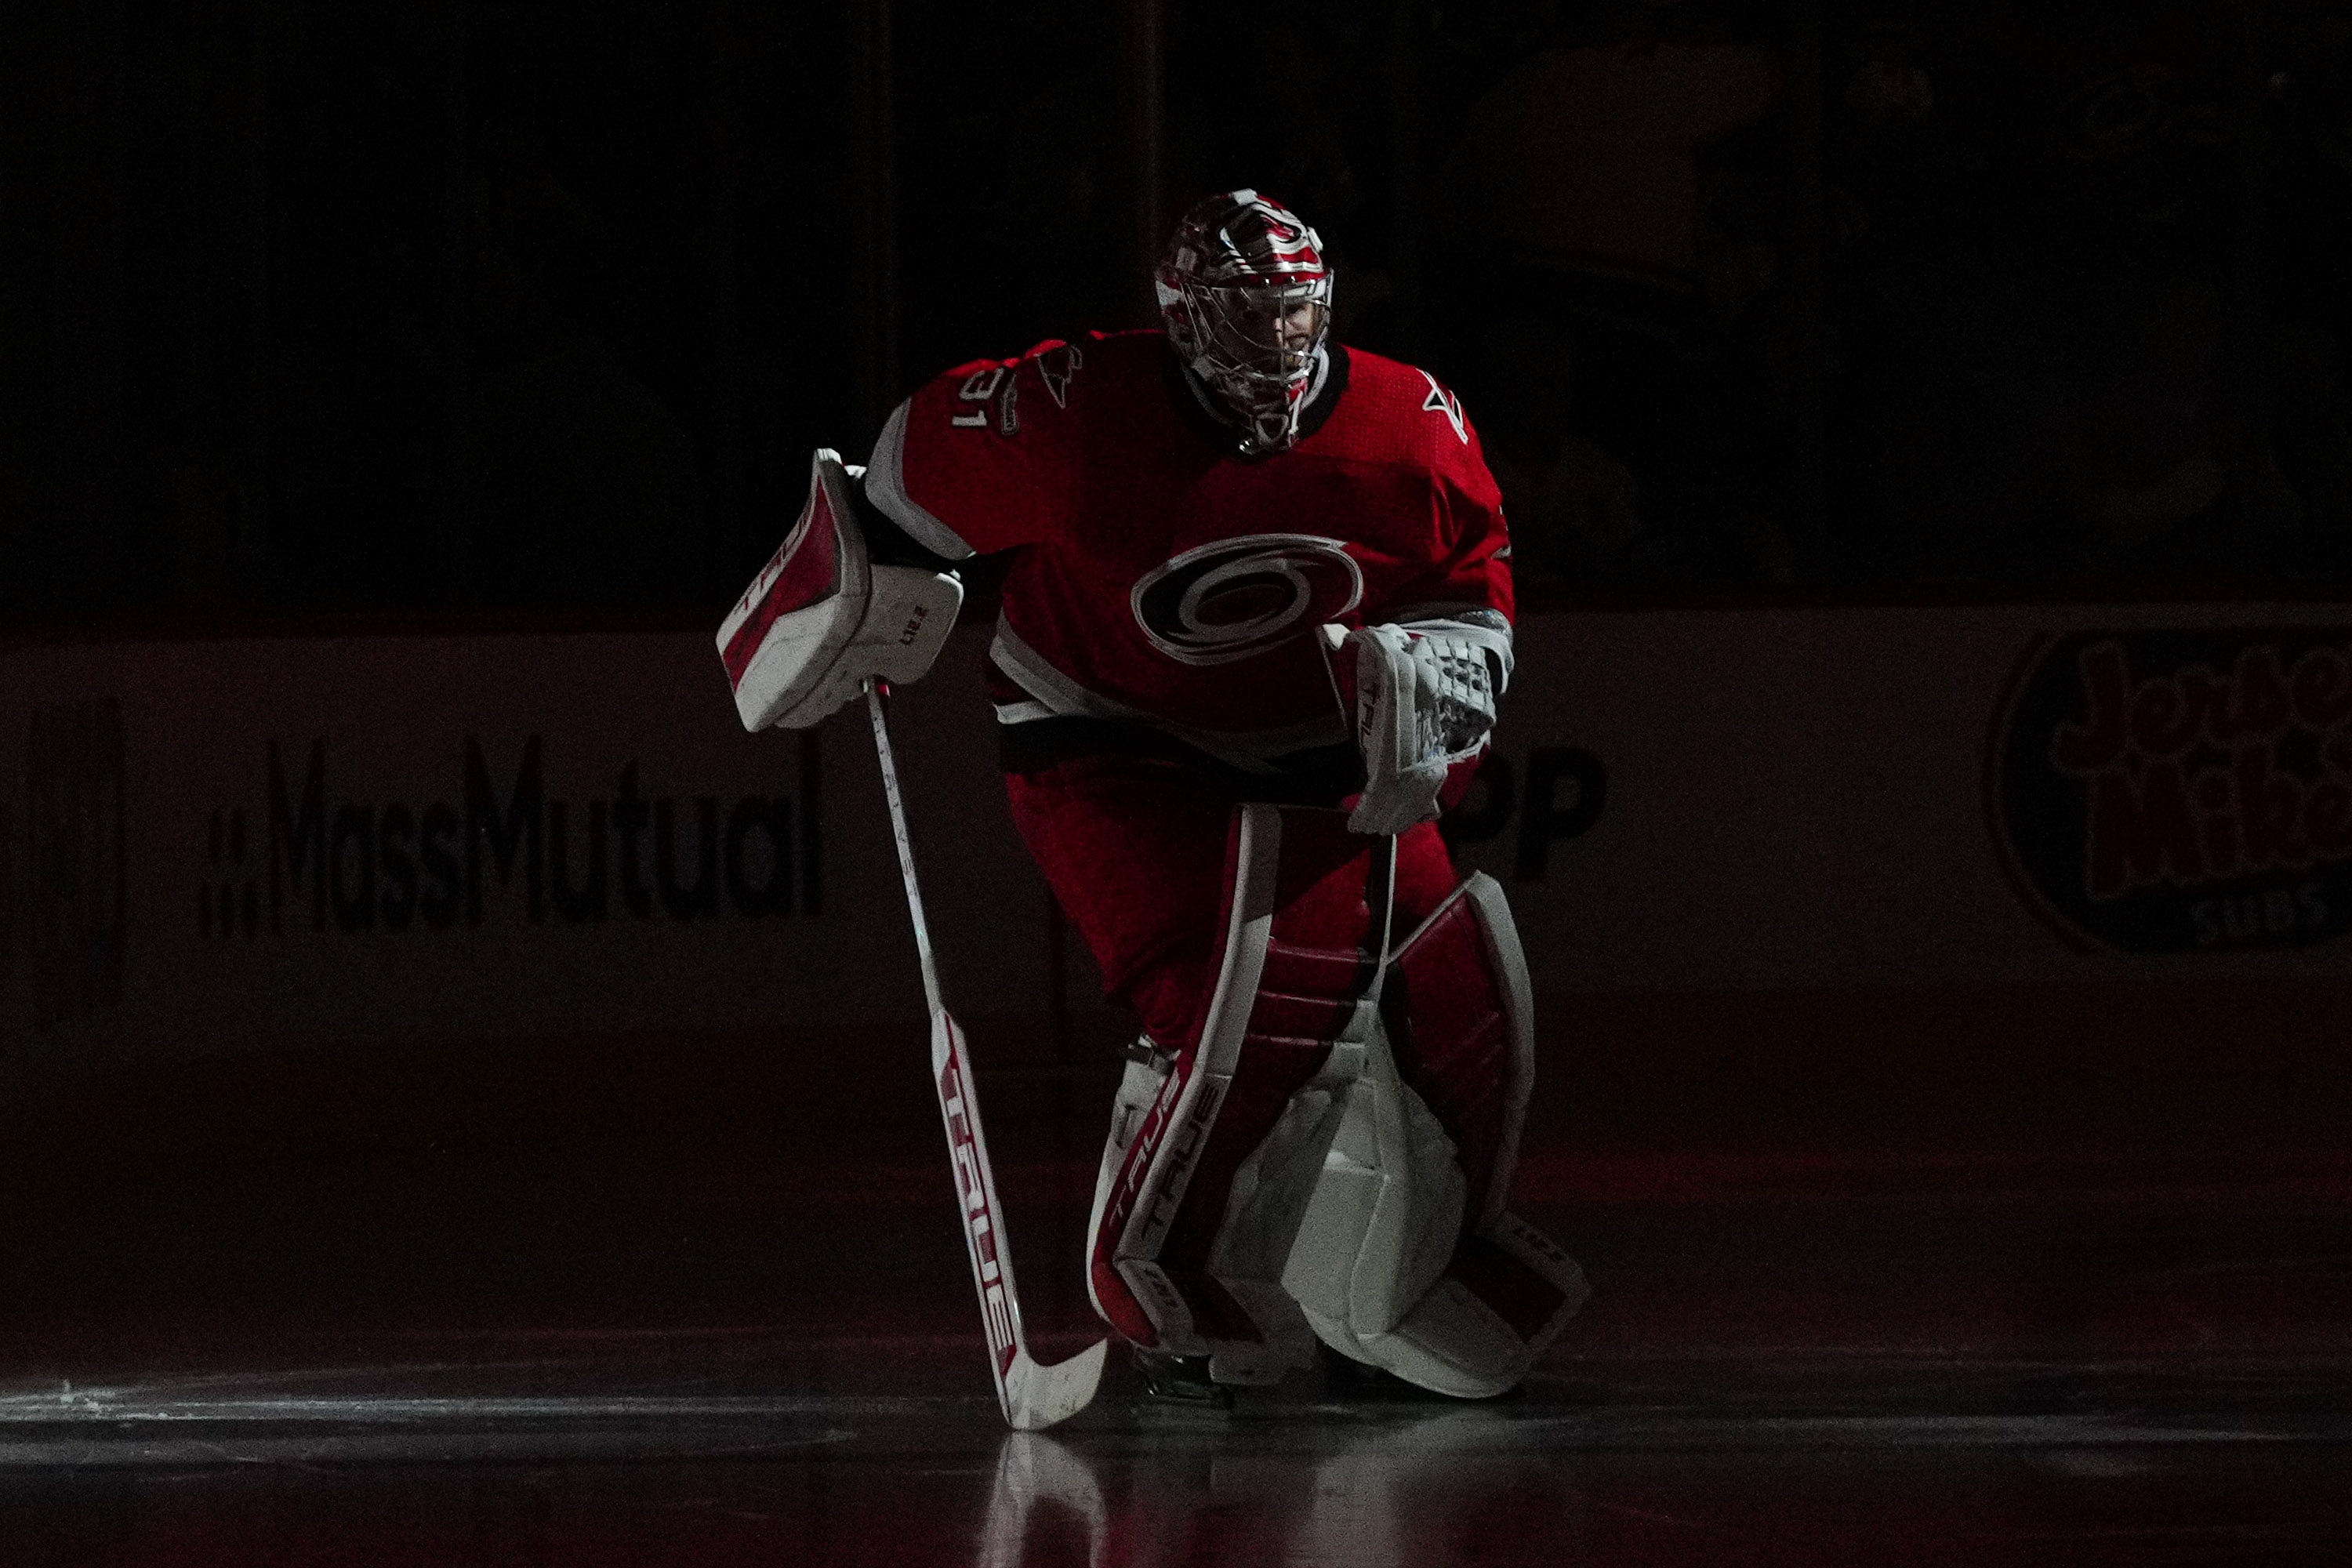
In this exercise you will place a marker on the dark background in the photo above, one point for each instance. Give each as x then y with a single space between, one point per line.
489 304
427 313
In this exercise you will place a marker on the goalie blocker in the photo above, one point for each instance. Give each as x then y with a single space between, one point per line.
1328 1152
823 617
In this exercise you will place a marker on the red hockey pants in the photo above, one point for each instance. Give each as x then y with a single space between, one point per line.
1134 848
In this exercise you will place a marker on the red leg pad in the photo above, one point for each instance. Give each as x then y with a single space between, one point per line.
1177 1258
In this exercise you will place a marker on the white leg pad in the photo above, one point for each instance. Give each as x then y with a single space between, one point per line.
1455 1341
1382 1221
1404 1260
1271 1190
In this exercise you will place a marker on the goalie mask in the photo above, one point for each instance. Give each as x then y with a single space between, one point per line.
1246 296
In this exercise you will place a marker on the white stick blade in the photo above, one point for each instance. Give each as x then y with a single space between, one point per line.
1037 1396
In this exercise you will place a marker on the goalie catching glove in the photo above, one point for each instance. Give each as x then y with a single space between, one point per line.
1425 696
823 617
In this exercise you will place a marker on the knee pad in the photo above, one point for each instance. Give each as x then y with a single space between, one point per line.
1407 1258
1219 1138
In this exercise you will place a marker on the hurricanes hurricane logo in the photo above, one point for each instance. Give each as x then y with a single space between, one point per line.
1238 597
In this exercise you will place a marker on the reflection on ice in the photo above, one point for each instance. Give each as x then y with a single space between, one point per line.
1033 1470
1409 1494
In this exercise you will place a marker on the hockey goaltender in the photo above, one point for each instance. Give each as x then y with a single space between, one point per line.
1256 621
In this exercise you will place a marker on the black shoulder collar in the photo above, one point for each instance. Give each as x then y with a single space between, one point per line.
1327 396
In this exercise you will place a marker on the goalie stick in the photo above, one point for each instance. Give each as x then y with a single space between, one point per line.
1032 1393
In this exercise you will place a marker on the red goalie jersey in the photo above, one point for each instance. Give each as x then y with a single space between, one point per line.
1164 578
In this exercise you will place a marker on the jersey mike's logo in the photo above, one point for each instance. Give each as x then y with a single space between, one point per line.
2184 791
1238 597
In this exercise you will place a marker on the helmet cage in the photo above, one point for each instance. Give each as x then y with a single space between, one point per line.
1241 274
1252 351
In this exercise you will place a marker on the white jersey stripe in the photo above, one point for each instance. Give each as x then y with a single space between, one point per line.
885 486
1252 751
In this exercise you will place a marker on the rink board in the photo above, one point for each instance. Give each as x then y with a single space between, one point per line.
237 846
